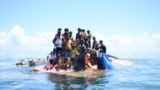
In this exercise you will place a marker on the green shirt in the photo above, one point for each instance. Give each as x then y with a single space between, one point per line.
89 37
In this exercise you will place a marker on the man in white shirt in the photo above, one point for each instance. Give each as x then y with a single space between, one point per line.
51 57
58 42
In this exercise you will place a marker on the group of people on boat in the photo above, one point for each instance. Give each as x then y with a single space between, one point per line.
75 53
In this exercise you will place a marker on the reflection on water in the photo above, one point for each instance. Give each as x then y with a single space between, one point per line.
67 82
63 82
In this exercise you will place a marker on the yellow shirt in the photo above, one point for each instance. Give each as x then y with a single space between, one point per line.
68 45
74 53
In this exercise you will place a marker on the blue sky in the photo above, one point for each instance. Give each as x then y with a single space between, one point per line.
113 19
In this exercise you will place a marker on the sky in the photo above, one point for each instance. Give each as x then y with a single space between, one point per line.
129 28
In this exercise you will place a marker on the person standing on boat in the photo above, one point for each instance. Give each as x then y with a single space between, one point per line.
83 34
95 45
59 31
65 34
80 63
78 35
67 45
103 62
89 36
70 35
99 58
58 42
74 54
102 46
86 43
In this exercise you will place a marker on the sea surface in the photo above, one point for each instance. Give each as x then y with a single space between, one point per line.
144 74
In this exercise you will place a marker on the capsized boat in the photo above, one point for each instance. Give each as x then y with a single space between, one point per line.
89 72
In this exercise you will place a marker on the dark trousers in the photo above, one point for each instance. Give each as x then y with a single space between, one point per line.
99 63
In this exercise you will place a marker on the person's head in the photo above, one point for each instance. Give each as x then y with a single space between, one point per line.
66 30
79 29
94 38
101 42
88 31
59 29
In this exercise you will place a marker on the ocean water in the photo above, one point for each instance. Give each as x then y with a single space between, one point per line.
144 74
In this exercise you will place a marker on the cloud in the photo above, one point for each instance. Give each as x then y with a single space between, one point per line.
144 45
17 37
17 42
